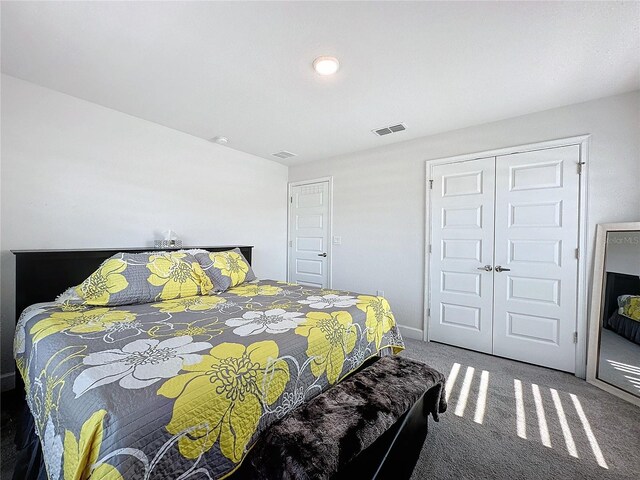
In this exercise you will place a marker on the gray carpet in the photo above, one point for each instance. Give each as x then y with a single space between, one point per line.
458 447
619 361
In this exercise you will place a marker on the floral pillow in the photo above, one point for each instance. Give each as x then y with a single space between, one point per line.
630 306
131 278
226 269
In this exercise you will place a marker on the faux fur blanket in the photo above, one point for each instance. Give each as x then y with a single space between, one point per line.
323 435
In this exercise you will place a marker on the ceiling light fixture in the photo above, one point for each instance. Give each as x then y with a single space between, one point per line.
326 65
220 140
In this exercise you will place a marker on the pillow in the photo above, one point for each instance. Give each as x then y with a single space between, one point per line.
630 306
226 269
622 299
130 278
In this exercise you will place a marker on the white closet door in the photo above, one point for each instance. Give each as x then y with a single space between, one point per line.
462 203
536 236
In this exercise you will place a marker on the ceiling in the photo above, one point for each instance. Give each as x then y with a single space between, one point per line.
243 70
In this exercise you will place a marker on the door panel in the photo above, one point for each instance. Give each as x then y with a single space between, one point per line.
462 242
536 236
309 234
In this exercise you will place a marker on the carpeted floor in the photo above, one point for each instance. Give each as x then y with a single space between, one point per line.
619 361
461 446
471 442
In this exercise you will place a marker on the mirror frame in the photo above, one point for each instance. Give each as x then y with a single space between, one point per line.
595 312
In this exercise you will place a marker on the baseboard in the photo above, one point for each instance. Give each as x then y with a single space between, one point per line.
7 381
411 332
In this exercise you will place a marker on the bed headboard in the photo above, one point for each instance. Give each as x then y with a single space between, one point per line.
42 275
618 284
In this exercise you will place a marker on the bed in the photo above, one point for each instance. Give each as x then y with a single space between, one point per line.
617 285
184 385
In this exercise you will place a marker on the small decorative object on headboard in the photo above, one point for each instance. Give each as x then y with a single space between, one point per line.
170 240
167 244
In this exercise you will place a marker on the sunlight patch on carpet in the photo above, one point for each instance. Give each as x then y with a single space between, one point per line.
587 429
542 419
481 404
521 422
464 392
564 425
451 380
546 421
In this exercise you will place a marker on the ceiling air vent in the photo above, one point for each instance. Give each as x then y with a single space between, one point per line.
390 129
284 154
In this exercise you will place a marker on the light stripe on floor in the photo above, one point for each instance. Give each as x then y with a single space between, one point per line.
587 429
624 365
542 419
451 380
482 397
464 392
521 423
626 369
566 431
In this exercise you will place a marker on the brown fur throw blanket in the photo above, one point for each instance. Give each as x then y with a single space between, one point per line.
323 435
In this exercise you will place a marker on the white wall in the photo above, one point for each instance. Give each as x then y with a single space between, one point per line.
379 194
78 175
623 253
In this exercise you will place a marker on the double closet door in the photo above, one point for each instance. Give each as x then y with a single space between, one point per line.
503 266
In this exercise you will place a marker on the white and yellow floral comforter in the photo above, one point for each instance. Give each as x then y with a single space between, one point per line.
183 388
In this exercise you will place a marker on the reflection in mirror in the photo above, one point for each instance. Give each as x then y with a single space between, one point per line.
619 349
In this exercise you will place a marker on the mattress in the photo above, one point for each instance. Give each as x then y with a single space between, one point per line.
184 388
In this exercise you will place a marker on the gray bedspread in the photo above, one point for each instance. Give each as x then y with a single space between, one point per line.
183 388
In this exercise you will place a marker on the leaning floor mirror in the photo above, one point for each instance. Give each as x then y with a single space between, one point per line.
614 329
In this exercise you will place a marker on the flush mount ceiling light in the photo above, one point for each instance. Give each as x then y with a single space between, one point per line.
326 65
220 140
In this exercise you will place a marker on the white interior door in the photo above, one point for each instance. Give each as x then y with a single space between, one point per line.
462 207
309 224
536 237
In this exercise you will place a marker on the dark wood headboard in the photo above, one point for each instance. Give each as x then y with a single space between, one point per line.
42 275
617 284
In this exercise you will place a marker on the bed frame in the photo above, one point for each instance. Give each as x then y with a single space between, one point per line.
41 275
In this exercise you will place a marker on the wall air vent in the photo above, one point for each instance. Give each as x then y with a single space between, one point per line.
390 129
284 154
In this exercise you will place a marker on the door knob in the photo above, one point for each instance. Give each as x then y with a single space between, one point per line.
486 268
500 269
322 254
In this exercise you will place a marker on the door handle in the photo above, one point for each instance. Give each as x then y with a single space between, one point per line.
322 254
486 268
500 269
